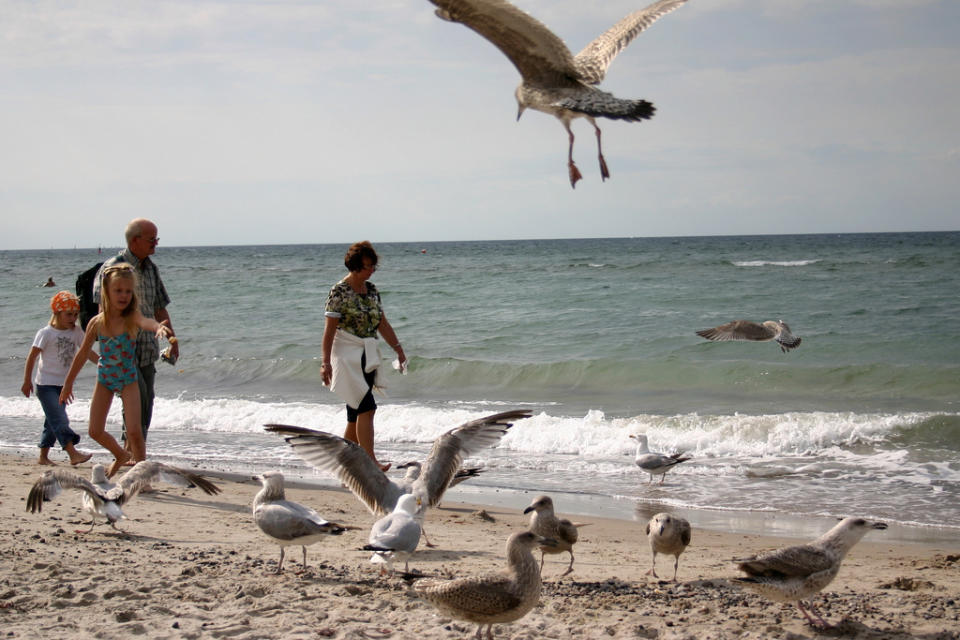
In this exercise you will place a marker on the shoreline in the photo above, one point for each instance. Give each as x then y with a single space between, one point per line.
628 510
187 565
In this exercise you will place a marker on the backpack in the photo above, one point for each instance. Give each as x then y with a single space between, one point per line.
88 308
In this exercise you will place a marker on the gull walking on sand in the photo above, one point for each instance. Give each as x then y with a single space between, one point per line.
563 533
667 534
371 486
755 331
553 80
285 522
103 499
395 536
793 574
656 464
493 598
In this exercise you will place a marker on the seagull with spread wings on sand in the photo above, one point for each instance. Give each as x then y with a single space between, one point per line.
357 470
103 499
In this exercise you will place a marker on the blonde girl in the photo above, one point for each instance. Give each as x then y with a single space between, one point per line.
55 345
116 328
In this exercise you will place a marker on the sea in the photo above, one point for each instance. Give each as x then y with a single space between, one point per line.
596 337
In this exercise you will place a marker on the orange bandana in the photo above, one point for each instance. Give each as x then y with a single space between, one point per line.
64 301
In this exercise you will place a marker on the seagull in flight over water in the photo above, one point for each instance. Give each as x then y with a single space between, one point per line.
555 81
755 331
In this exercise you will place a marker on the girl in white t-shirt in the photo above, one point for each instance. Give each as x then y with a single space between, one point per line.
56 345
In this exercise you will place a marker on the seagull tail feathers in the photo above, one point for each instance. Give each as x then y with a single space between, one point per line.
604 105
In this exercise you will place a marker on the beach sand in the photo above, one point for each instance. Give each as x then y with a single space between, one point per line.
187 565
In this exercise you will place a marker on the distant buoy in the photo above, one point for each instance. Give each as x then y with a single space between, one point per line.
423 250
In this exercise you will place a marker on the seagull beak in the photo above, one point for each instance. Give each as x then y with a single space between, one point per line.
528 509
879 525
520 110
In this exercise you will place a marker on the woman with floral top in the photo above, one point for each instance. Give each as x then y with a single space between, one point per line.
351 352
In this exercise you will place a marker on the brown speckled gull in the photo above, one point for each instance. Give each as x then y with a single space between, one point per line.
544 522
493 598
792 574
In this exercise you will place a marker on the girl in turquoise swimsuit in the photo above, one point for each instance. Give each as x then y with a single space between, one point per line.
116 328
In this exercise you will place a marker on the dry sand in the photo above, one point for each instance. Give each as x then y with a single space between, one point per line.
187 565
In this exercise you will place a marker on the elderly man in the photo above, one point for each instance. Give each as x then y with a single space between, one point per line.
141 235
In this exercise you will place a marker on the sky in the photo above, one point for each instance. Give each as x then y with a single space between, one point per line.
331 121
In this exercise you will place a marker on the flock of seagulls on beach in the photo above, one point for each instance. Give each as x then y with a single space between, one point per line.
556 82
792 574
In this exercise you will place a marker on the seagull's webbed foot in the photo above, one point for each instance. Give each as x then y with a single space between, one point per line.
426 540
824 624
575 174
93 523
604 172
819 623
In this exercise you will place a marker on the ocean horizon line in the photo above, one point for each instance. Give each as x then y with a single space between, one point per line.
831 234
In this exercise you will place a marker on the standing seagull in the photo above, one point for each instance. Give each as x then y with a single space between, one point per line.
545 523
354 467
285 522
555 81
793 574
756 331
103 499
667 534
656 464
493 598
395 536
